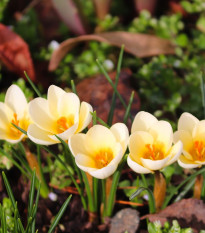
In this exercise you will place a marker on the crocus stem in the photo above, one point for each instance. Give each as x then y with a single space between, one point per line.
33 163
113 190
91 204
198 186
159 189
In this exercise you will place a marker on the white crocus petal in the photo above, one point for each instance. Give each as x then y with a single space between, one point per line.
162 132
187 122
54 94
3 134
118 154
185 137
187 154
101 136
40 114
83 140
143 121
199 162
121 133
68 104
16 100
105 172
40 136
175 152
137 143
186 163
66 134
85 116
154 164
6 115
16 140
85 162
137 167
199 130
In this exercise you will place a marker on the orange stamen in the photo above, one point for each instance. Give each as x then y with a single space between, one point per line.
64 123
151 149
103 158
15 121
199 149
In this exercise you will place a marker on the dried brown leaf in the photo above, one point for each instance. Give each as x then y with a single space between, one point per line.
102 7
14 53
71 14
140 45
188 212
98 92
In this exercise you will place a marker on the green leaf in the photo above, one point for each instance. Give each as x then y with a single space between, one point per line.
151 198
11 196
151 228
182 40
32 85
59 215
31 194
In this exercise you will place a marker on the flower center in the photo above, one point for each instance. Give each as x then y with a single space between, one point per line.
64 123
199 150
16 122
153 152
103 158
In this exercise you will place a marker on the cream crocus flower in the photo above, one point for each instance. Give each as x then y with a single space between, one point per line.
150 144
100 150
191 132
60 114
13 110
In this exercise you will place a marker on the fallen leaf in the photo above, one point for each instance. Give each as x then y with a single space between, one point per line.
188 212
98 92
102 8
71 15
14 53
140 45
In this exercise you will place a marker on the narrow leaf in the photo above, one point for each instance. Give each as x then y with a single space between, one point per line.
59 215
32 85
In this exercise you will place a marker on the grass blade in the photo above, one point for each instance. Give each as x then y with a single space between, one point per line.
59 215
31 194
71 176
100 120
32 85
88 192
11 196
94 116
20 129
112 108
151 198
73 87
127 113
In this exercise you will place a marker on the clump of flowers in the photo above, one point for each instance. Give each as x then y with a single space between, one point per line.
99 151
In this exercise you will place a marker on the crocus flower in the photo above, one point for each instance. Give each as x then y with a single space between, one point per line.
100 150
150 144
13 110
191 132
60 114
